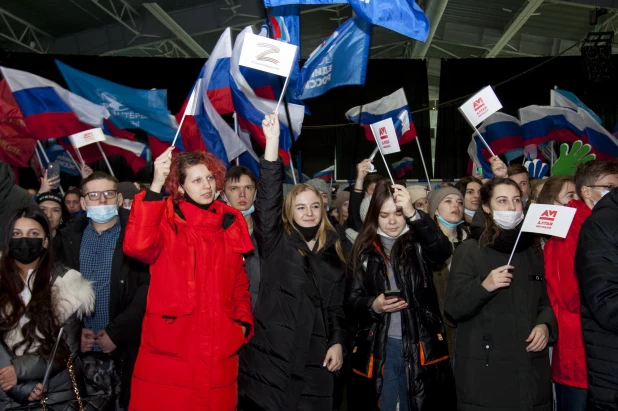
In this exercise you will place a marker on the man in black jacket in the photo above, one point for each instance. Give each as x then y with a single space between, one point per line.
596 264
92 244
12 197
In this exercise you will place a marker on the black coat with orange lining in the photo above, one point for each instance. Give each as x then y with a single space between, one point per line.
425 351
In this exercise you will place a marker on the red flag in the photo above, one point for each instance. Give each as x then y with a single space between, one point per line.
16 143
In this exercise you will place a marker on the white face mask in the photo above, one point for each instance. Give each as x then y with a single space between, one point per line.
603 193
508 220
469 213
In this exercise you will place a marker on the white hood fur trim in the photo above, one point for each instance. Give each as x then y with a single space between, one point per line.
71 294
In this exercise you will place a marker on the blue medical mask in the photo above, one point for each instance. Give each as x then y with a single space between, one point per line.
249 211
469 213
448 225
102 214
603 193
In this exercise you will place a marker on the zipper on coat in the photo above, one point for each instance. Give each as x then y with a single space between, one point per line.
487 341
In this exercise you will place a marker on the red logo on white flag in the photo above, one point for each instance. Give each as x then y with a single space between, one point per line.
546 220
479 107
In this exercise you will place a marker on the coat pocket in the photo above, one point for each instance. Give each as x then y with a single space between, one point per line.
362 358
167 335
172 289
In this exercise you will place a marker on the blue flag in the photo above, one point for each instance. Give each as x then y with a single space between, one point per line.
275 3
403 16
59 154
129 107
329 65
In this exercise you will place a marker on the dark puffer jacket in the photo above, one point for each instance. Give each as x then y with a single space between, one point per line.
493 370
425 352
298 315
596 265
73 297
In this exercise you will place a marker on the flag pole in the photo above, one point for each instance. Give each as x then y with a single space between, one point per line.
237 159
514 247
424 165
292 167
178 131
73 160
38 157
38 142
109 167
478 133
383 158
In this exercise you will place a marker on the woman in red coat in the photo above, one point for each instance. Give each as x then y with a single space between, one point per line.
198 312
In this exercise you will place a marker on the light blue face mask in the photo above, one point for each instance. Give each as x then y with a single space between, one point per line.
249 211
102 214
603 193
469 213
450 226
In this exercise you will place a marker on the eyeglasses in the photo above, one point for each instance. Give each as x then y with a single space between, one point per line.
95 195
606 186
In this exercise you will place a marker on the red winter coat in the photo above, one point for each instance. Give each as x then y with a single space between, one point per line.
568 358
197 301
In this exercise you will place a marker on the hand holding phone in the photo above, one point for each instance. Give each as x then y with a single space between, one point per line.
53 175
388 302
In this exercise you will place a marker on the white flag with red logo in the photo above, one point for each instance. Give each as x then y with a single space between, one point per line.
548 219
482 105
84 138
386 136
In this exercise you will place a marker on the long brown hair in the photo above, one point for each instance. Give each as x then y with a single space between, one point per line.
42 328
491 230
552 188
368 236
289 204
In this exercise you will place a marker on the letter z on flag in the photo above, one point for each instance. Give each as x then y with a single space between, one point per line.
548 219
264 54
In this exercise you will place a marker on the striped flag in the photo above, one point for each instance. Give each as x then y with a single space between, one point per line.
403 166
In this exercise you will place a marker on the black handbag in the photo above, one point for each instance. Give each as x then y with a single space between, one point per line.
94 403
362 358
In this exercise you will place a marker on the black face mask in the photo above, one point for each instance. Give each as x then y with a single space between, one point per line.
308 233
26 250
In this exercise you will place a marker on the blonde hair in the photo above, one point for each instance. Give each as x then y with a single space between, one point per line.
289 205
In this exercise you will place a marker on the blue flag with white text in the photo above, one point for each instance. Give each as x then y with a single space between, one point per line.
329 65
129 107
59 154
402 16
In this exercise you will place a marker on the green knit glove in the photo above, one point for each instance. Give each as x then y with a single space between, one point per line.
568 161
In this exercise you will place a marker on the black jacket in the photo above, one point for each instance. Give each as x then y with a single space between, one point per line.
430 386
12 198
299 312
493 370
74 297
127 304
596 265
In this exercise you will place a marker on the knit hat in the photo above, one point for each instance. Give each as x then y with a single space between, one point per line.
416 193
436 196
128 190
342 197
48 196
364 207
322 186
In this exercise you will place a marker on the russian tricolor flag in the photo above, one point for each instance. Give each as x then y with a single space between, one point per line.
394 106
543 123
328 174
503 133
251 109
403 166
49 110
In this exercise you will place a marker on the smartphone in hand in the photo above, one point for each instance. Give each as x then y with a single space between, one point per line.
390 295
53 171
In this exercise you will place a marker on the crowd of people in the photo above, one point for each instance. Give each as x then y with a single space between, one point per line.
209 289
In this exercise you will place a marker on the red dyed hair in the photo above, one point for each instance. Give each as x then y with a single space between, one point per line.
178 171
